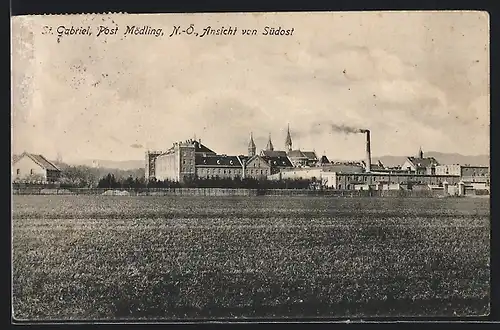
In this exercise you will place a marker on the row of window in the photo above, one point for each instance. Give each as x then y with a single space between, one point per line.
256 172
18 171
202 171
217 171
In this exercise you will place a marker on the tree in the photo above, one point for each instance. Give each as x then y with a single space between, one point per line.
109 181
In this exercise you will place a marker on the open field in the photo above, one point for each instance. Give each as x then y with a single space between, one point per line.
107 257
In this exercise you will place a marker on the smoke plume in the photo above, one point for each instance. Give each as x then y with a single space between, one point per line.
339 128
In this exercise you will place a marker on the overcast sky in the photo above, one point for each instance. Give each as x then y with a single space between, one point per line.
413 79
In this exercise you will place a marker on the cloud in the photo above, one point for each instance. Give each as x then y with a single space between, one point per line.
136 146
405 77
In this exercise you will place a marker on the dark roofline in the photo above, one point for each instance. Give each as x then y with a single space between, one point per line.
34 157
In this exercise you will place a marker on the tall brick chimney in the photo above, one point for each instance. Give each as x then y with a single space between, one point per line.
368 152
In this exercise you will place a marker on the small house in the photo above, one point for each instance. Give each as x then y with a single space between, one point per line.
33 167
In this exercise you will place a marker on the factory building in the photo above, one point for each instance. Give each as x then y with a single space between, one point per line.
377 181
297 174
467 172
474 177
351 177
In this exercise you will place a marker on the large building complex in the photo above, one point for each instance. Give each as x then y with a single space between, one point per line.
192 159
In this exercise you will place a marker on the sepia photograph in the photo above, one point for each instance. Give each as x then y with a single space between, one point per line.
250 166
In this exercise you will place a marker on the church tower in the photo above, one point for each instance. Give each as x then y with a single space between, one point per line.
251 146
420 153
288 141
270 146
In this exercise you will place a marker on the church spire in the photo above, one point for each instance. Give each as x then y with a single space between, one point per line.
420 153
251 146
270 146
288 141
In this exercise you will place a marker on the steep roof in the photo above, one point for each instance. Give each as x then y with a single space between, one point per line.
217 161
278 161
324 160
39 159
245 157
310 155
375 167
296 154
250 160
273 153
201 148
423 162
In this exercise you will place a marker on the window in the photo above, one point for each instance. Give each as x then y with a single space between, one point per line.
31 171
18 171
261 172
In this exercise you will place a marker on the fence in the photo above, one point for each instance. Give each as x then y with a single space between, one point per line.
227 192
136 192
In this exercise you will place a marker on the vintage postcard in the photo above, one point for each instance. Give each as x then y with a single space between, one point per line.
250 166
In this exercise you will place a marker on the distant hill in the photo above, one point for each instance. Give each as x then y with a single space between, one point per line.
441 157
122 165
101 171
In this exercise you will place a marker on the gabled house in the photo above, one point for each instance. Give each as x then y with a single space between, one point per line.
257 167
278 163
420 164
303 158
33 167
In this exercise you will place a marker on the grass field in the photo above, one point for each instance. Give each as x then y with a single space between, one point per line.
105 257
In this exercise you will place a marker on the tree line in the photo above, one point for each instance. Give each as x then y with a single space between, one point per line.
82 176
110 181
